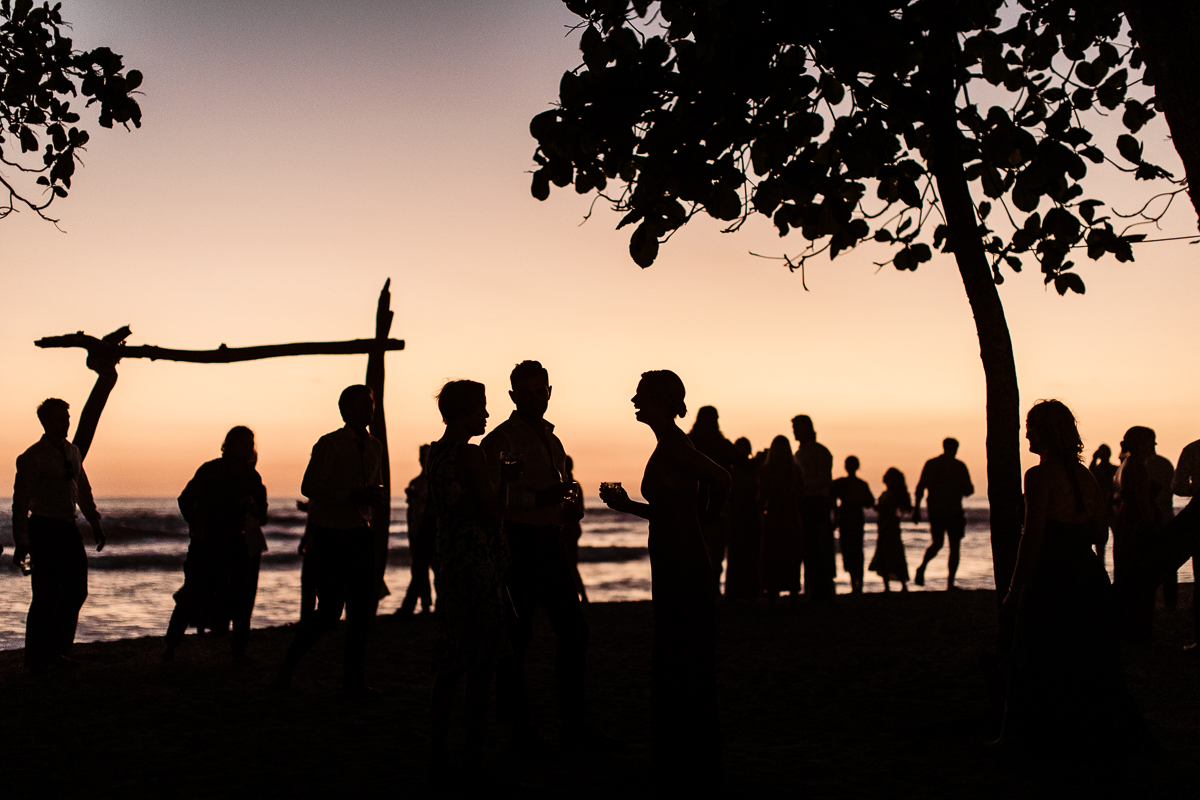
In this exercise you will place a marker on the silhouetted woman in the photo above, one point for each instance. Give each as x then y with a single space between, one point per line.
1104 471
686 728
472 558
889 561
1066 697
1135 530
745 526
220 575
780 487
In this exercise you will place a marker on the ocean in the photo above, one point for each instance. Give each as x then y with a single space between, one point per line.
130 583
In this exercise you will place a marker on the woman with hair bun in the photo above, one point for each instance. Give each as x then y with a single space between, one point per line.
686 730
1066 701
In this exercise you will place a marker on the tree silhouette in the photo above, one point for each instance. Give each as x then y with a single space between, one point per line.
39 71
920 124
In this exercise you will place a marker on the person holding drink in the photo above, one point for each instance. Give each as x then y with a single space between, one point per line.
685 723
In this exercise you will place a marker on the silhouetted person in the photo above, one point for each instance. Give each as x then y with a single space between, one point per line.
816 463
1186 483
308 570
344 489
745 526
472 560
1161 470
851 495
1135 534
422 540
50 483
539 501
780 492
889 561
1066 702
686 727
220 575
706 437
1104 471
948 482
572 532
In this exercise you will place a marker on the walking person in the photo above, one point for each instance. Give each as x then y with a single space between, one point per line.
948 481
343 484
221 570
50 484
851 495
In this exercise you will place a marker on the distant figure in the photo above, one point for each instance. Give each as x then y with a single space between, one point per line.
948 482
780 492
220 575
343 483
745 526
50 483
889 561
539 501
706 437
816 463
686 728
572 532
1186 483
472 560
422 541
1161 471
1103 470
851 495
1066 701
1135 533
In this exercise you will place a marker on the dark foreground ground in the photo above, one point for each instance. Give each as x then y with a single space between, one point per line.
879 696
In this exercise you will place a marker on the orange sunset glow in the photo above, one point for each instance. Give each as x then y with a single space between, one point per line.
293 156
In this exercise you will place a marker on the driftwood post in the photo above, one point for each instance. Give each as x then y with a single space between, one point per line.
381 523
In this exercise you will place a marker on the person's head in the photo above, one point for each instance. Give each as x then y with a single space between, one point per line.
55 416
1102 455
1139 441
780 451
706 419
742 447
1051 430
357 404
852 464
894 480
950 446
422 455
530 388
464 403
239 445
802 427
569 468
659 396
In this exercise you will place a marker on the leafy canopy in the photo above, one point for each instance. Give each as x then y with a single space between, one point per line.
818 115
39 71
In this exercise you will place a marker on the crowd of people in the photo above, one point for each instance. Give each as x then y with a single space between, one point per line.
499 525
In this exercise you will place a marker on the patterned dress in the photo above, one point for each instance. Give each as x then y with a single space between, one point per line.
472 559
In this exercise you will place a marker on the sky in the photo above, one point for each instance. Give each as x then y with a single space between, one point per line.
295 155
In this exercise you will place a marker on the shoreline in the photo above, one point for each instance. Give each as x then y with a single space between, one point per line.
876 695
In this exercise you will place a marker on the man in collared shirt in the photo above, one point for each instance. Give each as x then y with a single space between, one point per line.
540 574
343 484
816 467
948 481
50 483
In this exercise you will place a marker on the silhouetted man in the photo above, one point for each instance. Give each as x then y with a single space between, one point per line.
540 573
706 437
851 495
1186 483
50 484
816 466
948 481
343 484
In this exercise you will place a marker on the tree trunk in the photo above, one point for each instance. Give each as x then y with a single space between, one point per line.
381 522
995 345
1167 31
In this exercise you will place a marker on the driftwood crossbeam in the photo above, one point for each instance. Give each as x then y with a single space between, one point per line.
223 354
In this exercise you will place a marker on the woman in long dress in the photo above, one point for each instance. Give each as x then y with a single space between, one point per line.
889 561
472 558
686 729
1066 699
780 487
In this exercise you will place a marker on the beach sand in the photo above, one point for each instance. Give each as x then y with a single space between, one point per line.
877 696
